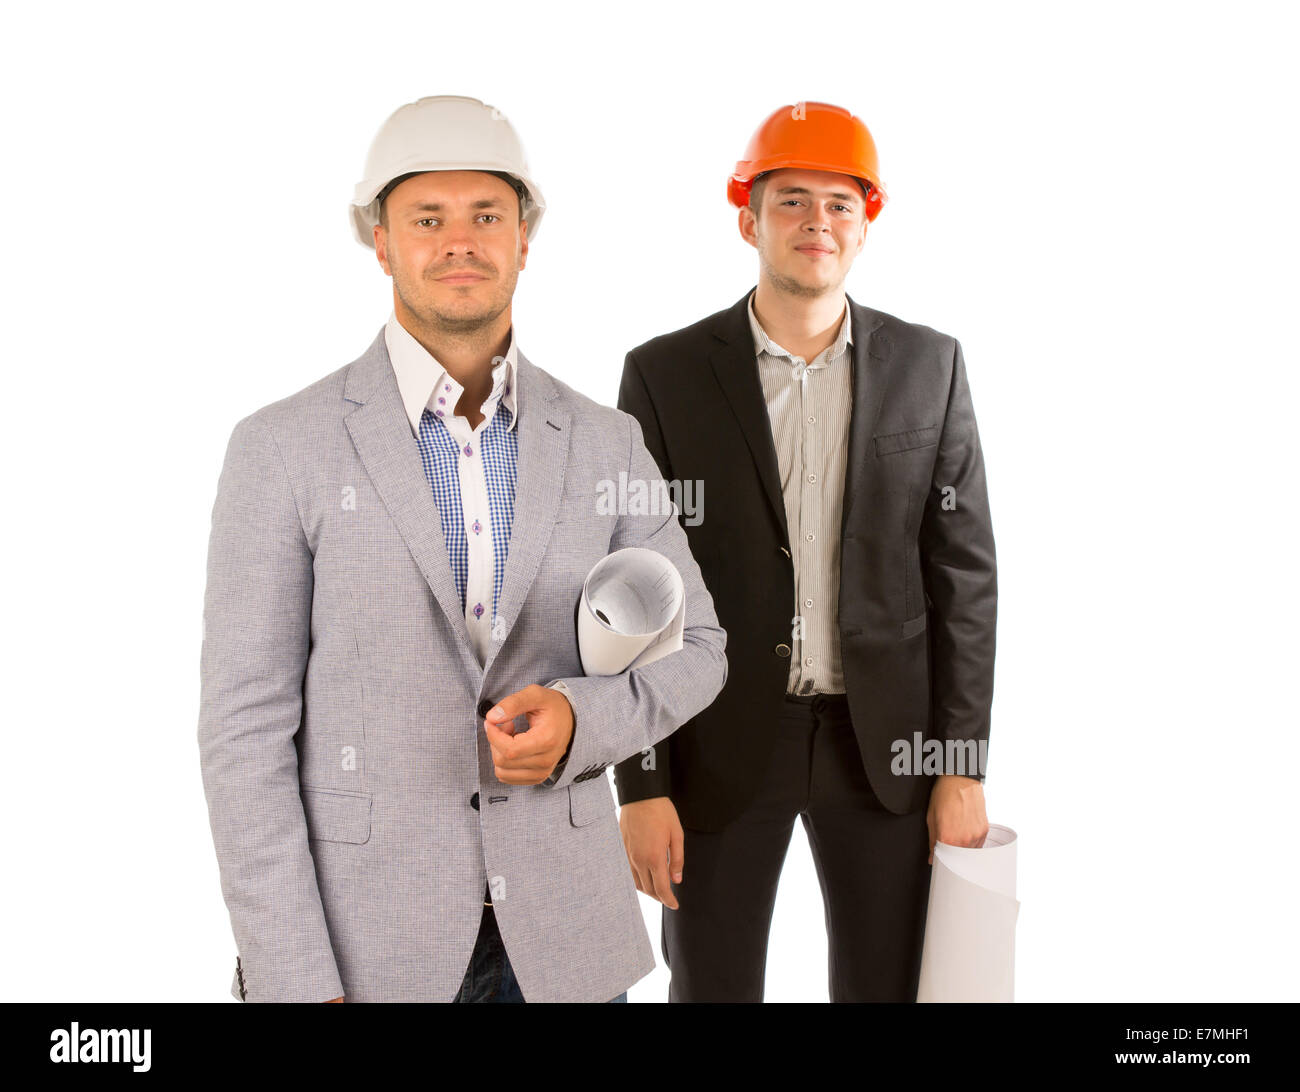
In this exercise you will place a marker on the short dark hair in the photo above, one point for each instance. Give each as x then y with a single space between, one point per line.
520 191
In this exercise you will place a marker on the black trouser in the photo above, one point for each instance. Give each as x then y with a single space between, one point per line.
871 863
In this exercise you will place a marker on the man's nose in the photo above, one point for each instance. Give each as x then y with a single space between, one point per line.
461 248
458 241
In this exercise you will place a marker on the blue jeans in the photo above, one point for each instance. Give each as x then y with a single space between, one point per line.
489 977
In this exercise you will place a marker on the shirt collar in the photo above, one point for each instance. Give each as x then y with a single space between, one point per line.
424 383
763 343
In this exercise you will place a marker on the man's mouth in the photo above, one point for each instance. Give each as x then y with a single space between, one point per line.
814 249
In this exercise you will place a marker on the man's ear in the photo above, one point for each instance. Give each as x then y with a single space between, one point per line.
380 237
748 224
523 243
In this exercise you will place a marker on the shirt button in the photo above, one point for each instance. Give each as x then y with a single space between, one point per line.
807 602
812 420
808 662
483 707
812 477
810 536
473 801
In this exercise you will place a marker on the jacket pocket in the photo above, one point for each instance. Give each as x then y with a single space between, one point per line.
336 815
892 442
589 800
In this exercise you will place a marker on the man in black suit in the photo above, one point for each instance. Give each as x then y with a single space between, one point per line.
846 491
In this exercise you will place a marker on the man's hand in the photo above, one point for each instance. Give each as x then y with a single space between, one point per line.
527 756
655 844
956 816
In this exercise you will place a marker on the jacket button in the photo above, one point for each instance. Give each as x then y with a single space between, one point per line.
473 801
484 706
782 650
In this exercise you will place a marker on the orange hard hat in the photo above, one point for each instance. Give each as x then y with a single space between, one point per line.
815 136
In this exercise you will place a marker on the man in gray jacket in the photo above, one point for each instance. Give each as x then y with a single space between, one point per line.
404 765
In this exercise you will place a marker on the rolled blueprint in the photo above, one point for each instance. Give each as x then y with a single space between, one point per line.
969 953
632 611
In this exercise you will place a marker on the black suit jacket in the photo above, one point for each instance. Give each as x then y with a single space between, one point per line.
918 581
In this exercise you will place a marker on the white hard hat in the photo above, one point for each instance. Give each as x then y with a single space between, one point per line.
441 133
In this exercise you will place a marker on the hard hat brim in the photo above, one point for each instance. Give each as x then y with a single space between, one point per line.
742 178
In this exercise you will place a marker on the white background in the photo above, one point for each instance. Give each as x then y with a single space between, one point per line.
1100 204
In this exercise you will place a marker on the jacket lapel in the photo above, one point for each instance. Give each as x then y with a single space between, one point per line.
543 451
871 358
376 419
736 368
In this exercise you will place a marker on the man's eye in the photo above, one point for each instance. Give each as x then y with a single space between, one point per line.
426 220
491 216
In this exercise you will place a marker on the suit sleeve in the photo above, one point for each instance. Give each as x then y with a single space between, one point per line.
644 775
620 715
256 636
960 570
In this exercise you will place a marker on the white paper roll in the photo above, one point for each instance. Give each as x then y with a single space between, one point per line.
632 612
969 953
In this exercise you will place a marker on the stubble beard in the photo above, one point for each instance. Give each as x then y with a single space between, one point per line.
459 324
789 286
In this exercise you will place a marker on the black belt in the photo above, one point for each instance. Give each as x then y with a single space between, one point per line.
827 699
820 703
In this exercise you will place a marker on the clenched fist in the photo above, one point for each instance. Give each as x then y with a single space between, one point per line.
527 756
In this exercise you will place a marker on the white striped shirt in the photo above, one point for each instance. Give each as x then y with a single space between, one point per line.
809 406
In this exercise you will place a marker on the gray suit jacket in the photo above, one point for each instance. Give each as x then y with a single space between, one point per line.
354 809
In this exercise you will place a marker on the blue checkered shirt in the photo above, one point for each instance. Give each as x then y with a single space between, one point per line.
441 453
